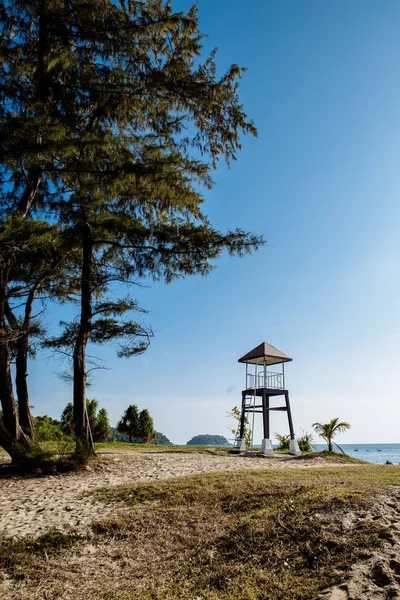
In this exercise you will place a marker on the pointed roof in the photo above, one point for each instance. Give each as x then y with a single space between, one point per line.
264 351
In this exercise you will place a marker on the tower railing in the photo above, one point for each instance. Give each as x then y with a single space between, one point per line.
271 380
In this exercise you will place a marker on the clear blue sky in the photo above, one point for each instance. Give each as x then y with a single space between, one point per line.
322 183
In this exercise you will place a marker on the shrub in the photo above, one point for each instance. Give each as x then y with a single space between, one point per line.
283 441
306 442
48 429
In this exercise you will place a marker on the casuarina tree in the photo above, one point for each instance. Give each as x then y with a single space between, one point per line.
41 273
111 126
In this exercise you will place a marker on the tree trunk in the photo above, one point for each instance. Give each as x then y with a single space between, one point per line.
7 441
21 384
12 437
10 430
10 417
21 362
21 374
84 441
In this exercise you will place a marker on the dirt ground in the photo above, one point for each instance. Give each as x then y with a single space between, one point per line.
30 506
378 578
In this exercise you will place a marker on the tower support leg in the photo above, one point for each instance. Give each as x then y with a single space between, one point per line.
243 415
294 446
266 445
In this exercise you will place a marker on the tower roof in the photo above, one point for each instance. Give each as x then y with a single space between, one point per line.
264 351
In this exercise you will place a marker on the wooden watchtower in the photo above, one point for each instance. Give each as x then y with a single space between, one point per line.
262 384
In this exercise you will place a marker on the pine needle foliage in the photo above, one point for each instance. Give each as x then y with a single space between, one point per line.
111 126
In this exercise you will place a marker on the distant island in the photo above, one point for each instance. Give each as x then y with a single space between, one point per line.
208 440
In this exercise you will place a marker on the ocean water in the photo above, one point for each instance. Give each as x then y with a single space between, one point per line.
374 453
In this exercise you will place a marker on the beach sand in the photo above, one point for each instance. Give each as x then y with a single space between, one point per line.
378 578
31 506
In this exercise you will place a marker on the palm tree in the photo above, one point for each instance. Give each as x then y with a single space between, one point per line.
328 430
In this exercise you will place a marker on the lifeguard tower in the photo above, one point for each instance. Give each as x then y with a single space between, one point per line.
262 384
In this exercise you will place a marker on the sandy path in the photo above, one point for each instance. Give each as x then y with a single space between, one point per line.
379 577
32 506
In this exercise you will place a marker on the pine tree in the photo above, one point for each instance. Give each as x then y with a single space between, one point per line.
36 268
42 272
112 125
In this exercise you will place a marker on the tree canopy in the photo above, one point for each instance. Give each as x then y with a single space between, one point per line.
111 125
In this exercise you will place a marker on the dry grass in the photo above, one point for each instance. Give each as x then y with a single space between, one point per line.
332 457
219 536
127 447
66 447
